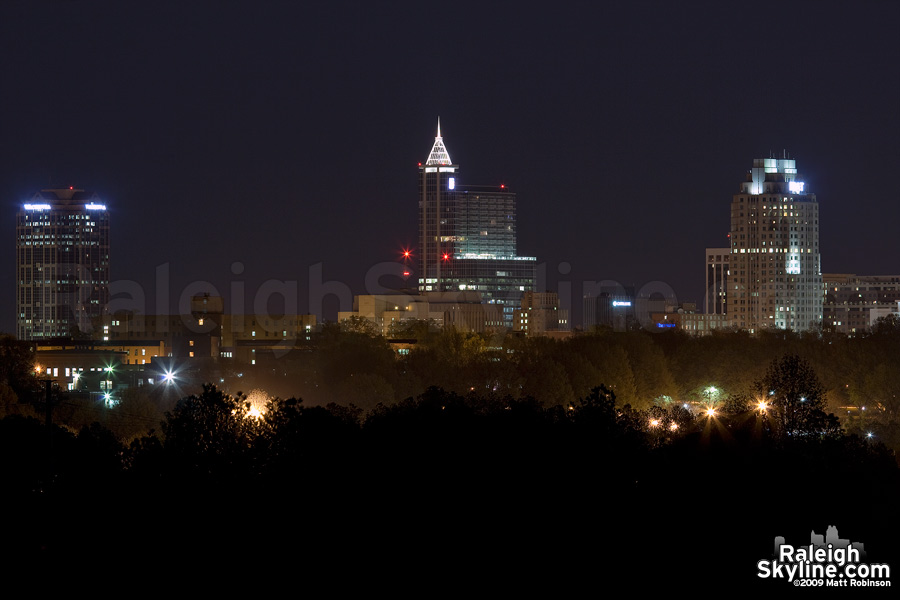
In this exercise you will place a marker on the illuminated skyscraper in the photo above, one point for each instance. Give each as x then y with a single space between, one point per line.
62 264
467 236
775 273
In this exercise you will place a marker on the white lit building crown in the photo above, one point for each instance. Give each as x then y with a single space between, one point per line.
438 154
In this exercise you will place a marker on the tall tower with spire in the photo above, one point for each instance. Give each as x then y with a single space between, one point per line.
437 187
467 235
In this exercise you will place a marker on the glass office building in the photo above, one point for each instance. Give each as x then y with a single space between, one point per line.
467 236
62 264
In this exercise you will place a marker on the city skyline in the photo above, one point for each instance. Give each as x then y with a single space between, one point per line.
256 136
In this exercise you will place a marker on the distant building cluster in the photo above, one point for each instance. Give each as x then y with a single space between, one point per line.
470 274
467 236
393 313
470 278
853 302
143 349
770 277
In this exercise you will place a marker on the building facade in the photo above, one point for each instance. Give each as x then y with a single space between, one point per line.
209 332
62 264
467 236
611 307
851 300
715 302
689 320
391 313
540 314
775 274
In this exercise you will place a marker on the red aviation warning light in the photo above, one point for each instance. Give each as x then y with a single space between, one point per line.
446 256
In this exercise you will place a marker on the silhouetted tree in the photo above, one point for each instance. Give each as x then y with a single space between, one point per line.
796 399
17 369
211 435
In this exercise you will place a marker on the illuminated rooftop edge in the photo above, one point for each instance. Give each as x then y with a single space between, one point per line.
470 255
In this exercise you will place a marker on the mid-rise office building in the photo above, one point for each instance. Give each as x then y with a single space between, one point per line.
609 306
851 299
775 274
540 314
715 301
467 236
208 332
464 311
62 264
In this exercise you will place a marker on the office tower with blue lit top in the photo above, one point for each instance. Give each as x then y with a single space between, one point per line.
467 236
774 269
62 264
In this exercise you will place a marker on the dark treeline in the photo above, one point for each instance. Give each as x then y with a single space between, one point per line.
350 365
523 454
506 480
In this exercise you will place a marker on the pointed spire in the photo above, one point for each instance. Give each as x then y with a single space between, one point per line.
439 154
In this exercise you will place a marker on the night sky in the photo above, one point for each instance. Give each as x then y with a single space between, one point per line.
282 135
